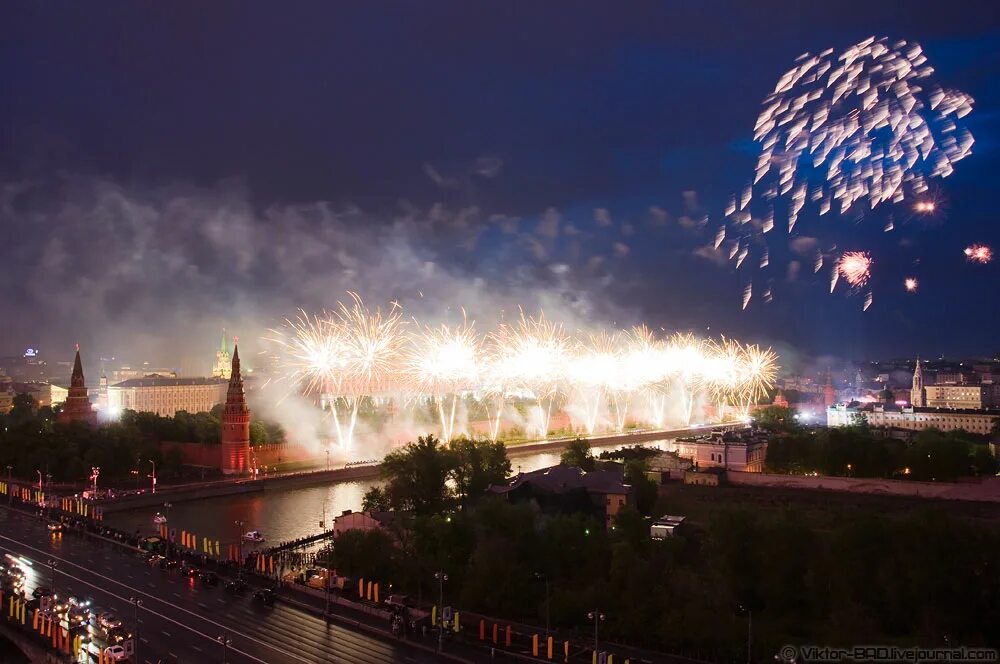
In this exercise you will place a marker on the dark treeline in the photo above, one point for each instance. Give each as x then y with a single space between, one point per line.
863 578
860 451
31 440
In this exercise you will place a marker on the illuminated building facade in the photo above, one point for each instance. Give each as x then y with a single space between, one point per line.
976 421
165 395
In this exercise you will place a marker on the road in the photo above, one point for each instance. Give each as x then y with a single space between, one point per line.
181 620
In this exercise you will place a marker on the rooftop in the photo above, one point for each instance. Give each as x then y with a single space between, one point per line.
166 381
561 478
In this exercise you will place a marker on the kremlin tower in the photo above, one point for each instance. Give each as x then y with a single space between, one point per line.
77 407
221 368
235 436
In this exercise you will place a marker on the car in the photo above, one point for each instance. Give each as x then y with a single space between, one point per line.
189 570
41 591
155 559
168 563
79 611
115 653
108 621
236 586
264 596
78 616
118 635
400 602
209 578
59 606
55 527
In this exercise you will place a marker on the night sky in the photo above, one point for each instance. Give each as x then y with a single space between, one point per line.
167 169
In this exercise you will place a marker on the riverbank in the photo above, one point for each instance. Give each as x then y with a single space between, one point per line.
362 471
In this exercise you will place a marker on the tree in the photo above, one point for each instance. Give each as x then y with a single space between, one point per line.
375 500
578 454
476 464
258 433
416 476
775 418
645 489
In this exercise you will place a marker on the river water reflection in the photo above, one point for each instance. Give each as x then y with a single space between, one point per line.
286 514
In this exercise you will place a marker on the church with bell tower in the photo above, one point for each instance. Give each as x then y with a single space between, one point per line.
918 398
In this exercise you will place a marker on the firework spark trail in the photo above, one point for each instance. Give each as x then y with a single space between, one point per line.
911 284
760 369
444 362
867 126
356 353
979 253
869 122
530 357
855 267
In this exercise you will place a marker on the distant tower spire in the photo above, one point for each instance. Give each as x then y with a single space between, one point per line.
235 423
77 407
829 394
917 398
222 365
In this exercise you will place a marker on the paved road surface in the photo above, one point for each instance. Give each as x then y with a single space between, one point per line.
180 619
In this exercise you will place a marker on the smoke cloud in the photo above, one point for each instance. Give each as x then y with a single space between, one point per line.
153 273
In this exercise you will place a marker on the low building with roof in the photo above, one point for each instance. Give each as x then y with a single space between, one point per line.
564 489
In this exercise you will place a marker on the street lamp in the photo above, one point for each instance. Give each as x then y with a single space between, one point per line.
136 603
597 617
226 642
94 472
239 572
749 611
52 576
167 506
153 475
441 577
539 575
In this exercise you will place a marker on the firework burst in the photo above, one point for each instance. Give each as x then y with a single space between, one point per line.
444 362
979 253
855 267
357 353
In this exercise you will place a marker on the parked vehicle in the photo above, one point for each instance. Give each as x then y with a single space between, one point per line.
108 621
118 635
264 596
115 653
